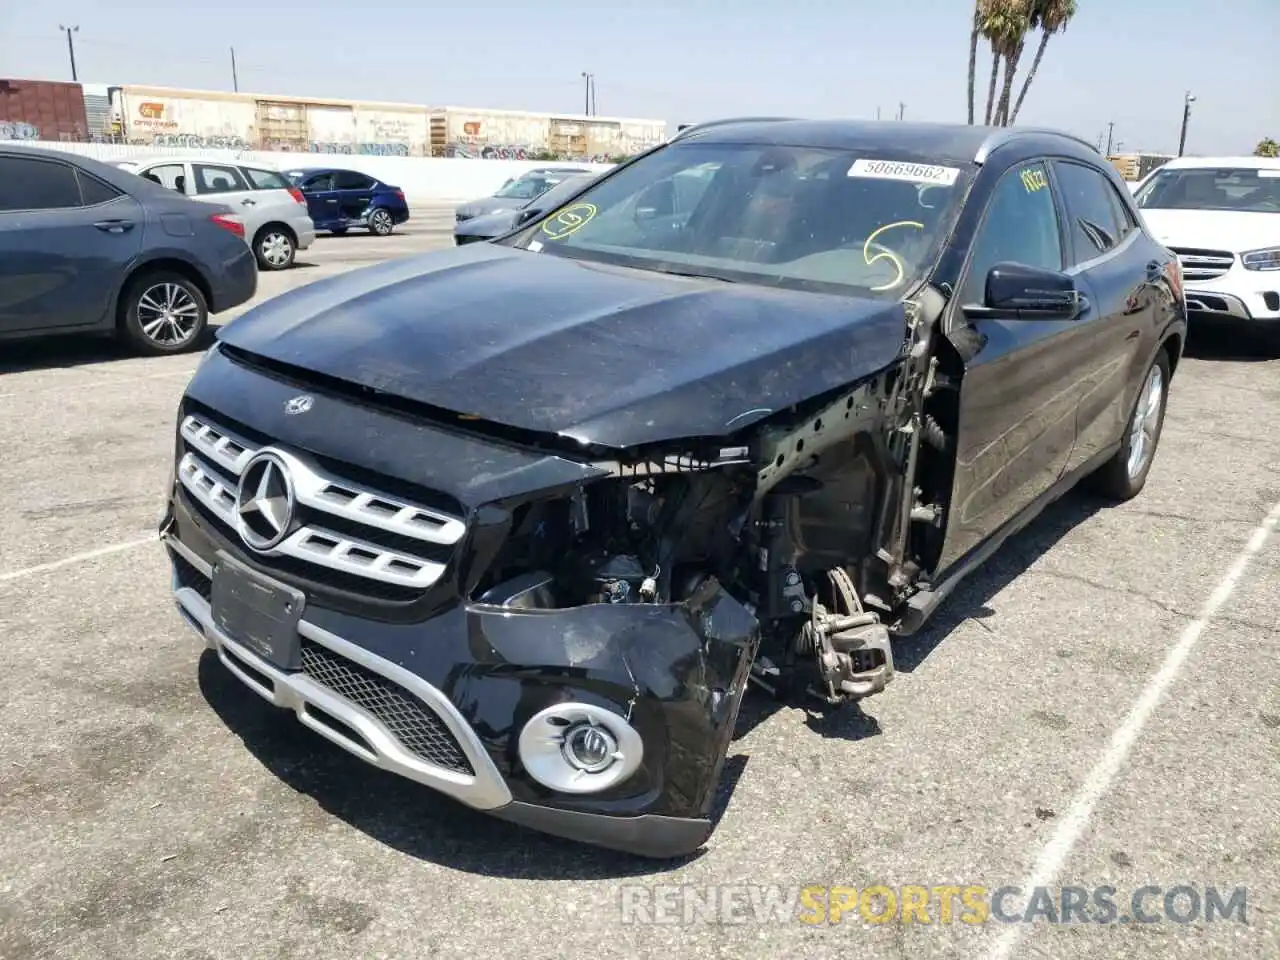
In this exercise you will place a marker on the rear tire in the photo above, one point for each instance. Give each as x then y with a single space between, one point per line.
1125 474
380 222
162 312
275 247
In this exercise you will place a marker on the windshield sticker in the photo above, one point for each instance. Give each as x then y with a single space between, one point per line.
887 254
1033 179
1265 172
569 220
535 246
898 170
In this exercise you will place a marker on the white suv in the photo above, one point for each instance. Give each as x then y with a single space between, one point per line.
1221 216
276 221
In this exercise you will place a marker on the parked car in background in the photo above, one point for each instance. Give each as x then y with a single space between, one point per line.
342 199
276 222
1221 216
518 191
86 247
490 225
519 521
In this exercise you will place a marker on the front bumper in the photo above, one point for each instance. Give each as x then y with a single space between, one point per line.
332 711
1229 300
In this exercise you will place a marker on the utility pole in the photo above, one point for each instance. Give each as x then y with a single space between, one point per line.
902 110
71 47
1186 115
877 113
235 81
588 78
1111 126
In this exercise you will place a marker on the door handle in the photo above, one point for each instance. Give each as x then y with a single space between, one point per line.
114 226
331 201
248 202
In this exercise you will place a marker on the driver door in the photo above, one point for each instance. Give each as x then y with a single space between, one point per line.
1020 390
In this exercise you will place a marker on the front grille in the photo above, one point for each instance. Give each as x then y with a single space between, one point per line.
412 722
364 537
1203 264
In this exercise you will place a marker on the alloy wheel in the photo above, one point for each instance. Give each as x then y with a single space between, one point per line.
380 221
167 314
1146 421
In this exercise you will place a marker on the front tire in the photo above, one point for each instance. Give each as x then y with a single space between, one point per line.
1125 474
275 248
163 312
380 222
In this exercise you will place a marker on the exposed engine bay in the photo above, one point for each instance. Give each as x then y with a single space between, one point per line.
812 525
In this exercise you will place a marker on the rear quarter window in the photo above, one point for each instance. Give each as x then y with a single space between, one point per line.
265 179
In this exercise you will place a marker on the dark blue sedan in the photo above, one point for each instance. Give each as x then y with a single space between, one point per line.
341 199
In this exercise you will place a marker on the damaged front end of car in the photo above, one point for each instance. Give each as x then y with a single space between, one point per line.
584 635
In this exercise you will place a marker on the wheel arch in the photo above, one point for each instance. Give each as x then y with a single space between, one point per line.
277 225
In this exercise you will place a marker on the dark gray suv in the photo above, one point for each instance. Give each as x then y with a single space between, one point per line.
89 248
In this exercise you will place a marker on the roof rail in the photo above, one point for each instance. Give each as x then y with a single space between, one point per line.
707 124
1001 137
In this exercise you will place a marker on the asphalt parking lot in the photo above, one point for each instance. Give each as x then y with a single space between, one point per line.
1099 706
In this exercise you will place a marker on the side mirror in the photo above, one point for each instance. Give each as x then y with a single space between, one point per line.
1015 291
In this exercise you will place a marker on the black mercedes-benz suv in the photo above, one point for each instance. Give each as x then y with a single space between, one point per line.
519 520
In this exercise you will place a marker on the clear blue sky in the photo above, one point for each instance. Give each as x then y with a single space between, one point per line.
1127 61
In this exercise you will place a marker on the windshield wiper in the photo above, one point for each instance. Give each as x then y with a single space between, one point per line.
697 276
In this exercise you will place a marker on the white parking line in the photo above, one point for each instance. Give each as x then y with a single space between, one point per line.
1071 828
77 558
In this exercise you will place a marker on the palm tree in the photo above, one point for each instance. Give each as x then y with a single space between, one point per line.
1050 16
973 50
1003 24
1015 21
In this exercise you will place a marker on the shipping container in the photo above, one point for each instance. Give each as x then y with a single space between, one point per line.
42 110
517 134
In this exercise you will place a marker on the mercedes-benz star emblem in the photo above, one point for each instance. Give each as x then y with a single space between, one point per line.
299 404
264 502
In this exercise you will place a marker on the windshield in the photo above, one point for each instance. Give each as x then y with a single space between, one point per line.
526 188
1240 189
796 217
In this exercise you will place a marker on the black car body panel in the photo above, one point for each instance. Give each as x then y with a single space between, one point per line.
77 260
603 355
527 487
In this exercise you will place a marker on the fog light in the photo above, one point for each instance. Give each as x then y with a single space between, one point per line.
590 748
579 748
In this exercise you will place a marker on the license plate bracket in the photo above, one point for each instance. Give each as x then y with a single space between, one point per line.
257 611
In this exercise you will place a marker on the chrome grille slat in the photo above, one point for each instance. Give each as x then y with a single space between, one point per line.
1203 264
213 452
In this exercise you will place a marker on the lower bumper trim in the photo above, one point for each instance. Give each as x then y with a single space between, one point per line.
649 835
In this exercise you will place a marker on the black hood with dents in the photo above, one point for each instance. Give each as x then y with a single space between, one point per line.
604 355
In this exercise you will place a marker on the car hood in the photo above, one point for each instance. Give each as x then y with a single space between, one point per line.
487 225
599 354
1214 229
486 205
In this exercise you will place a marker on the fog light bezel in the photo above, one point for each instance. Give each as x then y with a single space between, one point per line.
543 748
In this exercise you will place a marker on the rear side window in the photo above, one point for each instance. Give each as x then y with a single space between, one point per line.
1096 223
320 181
94 191
27 183
350 180
211 178
266 179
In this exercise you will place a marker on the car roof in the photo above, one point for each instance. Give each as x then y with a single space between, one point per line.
1258 163
959 143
